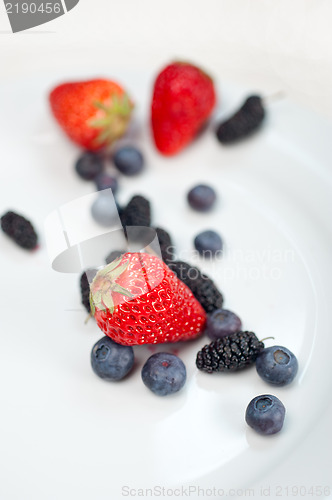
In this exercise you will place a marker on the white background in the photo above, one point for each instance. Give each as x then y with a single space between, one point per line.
264 44
272 44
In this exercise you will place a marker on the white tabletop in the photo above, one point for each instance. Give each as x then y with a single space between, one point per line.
268 45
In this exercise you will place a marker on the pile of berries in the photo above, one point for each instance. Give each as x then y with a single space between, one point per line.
232 350
119 299
138 298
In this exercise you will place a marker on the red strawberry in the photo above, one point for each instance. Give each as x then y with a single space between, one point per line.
93 113
137 299
183 99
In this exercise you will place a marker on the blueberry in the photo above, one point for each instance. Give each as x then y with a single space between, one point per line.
265 414
164 373
89 165
201 197
222 323
128 160
104 210
208 243
110 360
106 181
277 365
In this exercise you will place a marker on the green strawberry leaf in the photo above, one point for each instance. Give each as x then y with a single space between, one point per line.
104 284
108 301
107 269
97 297
119 289
92 305
118 271
101 105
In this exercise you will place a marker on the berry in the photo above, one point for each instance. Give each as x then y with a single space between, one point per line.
85 291
106 181
92 113
208 243
183 100
202 197
128 160
85 288
165 243
243 123
138 300
277 365
222 323
111 361
89 165
186 273
201 285
207 293
19 229
265 414
115 254
137 212
231 353
164 373
104 210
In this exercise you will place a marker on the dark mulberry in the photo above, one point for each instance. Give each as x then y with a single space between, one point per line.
230 353
115 254
202 287
85 288
19 229
137 212
166 246
243 123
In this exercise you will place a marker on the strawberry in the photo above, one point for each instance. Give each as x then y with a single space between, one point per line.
92 113
183 99
137 299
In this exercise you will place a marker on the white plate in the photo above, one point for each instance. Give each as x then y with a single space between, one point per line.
68 434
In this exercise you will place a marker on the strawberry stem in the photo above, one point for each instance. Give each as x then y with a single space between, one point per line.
104 284
115 121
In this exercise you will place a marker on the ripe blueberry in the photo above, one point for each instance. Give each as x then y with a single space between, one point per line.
111 361
277 365
265 414
164 373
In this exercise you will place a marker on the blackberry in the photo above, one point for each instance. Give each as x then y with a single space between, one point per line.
208 294
166 246
137 212
185 272
19 229
114 255
85 288
202 287
230 353
243 123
